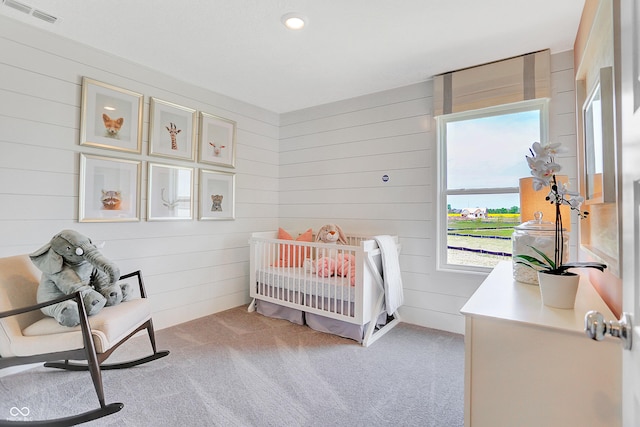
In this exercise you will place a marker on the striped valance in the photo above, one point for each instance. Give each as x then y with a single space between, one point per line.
502 82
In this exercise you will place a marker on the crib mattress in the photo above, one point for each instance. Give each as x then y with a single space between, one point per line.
298 280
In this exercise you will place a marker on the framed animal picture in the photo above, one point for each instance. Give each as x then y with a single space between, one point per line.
108 189
217 140
110 117
217 195
171 130
170 193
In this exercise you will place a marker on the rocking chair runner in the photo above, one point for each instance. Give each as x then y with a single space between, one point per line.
28 336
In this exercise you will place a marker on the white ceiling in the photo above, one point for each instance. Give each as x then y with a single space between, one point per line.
239 48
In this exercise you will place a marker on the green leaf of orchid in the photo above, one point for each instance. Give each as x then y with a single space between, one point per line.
551 263
531 261
597 265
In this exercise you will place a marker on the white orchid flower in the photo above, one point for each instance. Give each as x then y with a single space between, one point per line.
539 152
540 166
539 183
548 149
575 202
564 196
546 171
535 164
564 190
542 172
553 149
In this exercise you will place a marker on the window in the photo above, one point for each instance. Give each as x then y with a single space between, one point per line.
482 158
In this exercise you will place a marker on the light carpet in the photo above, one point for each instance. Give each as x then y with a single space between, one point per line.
236 368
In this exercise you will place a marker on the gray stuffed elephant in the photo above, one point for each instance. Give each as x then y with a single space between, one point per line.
71 263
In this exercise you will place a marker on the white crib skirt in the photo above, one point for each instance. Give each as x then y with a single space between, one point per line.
335 327
315 321
279 312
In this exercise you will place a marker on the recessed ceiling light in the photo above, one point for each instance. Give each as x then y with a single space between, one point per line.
294 21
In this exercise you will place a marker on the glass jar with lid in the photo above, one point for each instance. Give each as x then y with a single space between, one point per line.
539 234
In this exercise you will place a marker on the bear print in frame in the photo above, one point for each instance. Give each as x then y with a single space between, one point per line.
217 195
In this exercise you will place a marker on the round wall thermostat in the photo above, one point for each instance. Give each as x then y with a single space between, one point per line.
385 178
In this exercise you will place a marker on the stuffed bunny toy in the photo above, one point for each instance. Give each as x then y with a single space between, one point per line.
334 262
70 262
331 233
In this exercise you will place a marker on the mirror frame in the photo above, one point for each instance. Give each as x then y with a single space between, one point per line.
599 141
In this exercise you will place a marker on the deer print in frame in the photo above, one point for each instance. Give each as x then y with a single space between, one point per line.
217 144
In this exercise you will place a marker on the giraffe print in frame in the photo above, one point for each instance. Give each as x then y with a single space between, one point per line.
173 131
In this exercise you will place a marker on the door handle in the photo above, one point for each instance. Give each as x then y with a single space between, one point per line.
597 328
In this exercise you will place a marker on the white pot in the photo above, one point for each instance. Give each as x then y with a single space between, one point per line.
558 291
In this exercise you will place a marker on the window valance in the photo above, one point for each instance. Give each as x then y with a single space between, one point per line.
511 80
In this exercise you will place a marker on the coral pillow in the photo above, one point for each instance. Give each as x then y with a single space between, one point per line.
292 255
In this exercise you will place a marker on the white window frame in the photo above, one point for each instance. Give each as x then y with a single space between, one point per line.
442 222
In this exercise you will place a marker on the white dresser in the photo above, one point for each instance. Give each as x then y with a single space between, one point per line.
531 365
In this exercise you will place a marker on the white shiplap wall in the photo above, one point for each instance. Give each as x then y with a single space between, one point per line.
302 169
562 128
191 268
333 157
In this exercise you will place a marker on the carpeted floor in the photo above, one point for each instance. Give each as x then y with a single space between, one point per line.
243 369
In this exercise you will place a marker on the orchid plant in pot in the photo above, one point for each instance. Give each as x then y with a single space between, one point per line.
544 169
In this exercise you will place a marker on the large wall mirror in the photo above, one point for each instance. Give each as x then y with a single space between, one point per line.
599 143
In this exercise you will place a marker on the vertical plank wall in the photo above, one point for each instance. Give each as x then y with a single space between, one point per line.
191 268
333 158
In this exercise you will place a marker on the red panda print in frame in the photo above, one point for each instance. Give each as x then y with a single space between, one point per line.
108 189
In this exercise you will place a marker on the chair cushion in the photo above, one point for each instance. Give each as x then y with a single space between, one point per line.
109 326
19 279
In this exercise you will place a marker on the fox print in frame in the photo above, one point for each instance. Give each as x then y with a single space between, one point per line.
110 117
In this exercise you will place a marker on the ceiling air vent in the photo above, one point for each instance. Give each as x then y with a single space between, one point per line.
18 6
25 8
44 16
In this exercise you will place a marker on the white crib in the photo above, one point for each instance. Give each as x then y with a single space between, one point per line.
351 305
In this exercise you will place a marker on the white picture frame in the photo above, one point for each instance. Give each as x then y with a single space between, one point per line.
171 130
170 193
108 189
217 141
217 195
110 117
